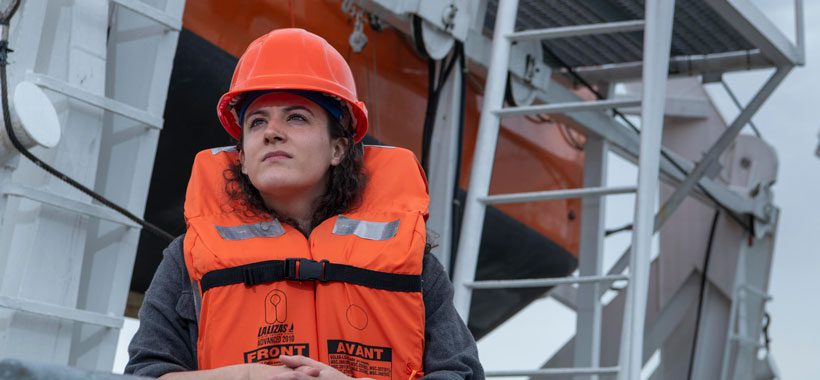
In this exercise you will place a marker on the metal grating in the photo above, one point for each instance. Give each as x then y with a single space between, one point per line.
698 30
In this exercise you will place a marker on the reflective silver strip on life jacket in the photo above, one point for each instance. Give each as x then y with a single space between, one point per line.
365 229
229 148
247 231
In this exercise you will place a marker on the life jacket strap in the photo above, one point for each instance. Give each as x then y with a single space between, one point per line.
301 269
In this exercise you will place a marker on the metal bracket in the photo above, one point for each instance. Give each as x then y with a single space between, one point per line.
450 17
763 199
357 38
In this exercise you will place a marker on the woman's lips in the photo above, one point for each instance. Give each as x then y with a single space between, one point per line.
276 155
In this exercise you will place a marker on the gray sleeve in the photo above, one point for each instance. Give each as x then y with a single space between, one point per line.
450 351
166 339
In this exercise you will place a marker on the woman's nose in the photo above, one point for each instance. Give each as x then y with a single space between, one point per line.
274 132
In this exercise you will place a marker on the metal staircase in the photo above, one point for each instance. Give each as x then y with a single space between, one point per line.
66 262
657 37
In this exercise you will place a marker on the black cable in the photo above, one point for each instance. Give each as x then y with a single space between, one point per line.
614 231
462 102
434 86
703 278
767 320
429 113
746 226
26 153
5 16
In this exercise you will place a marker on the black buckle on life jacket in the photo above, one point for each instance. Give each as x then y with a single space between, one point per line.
308 269
250 277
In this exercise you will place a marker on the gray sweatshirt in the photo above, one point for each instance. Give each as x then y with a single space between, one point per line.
166 339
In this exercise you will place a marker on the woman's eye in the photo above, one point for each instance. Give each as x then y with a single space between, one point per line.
296 117
257 122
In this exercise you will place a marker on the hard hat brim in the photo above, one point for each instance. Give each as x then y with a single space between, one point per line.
228 117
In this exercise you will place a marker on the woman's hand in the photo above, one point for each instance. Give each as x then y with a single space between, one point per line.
303 367
269 372
245 372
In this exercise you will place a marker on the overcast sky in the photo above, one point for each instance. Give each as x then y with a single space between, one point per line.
790 121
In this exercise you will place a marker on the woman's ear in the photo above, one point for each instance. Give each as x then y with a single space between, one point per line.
242 161
339 147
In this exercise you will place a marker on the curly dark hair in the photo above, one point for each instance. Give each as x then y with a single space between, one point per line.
345 184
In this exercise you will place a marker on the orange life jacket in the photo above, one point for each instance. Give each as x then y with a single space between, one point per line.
349 295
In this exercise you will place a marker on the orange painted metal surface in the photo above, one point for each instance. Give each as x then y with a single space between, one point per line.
391 78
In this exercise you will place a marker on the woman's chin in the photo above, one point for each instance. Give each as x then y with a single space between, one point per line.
280 190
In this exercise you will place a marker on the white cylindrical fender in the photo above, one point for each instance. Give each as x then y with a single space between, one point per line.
33 119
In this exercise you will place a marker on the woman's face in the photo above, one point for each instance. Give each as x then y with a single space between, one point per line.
286 147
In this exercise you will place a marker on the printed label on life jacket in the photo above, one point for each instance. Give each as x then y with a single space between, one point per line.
356 359
277 336
270 354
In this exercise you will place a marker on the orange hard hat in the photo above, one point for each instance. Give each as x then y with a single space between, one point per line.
291 59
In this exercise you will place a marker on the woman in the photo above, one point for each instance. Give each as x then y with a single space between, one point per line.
305 254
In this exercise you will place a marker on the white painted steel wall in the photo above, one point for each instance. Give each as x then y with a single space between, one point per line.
50 256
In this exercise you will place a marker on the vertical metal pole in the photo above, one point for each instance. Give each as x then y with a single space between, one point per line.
6 169
657 42
483 157
442 171
588 322
800 31
727 350
748 306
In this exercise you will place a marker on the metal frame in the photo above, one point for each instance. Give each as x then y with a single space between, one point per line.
622 141
681 192
568 107
774 47
102 102
110 249
72 48
659 17
484 54
585 192
61 312
64 203
555 372
713 64
115 121
483 157
587 351
714 152
748 303
656 47
577 30
543 282
760 31
171 22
